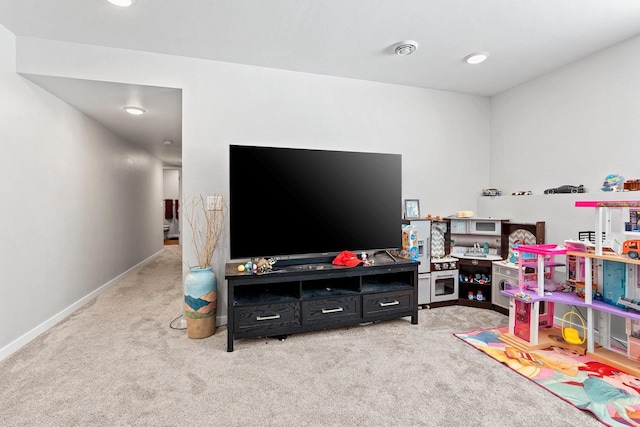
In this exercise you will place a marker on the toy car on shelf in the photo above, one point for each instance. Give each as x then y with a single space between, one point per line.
491 192
566 189
522 193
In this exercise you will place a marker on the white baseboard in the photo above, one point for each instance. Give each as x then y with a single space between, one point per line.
23 340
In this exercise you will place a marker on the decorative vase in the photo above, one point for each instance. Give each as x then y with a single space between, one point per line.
200 302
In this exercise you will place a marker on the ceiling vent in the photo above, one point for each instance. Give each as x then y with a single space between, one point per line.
405 48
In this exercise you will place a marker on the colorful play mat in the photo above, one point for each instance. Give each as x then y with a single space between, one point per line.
609 394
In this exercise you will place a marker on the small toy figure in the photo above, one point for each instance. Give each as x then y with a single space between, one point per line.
515 255
264 265
365 259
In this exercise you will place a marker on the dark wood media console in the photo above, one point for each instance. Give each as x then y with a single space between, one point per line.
306 297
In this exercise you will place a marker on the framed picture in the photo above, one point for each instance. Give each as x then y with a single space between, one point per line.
411 208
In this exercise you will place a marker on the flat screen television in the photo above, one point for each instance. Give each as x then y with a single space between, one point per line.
292 203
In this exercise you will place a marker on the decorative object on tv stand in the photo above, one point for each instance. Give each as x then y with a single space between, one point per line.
206 220
258 265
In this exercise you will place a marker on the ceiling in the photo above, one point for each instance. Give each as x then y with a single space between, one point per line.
104 101
346 38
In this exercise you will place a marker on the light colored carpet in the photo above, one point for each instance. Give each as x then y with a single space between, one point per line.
116 362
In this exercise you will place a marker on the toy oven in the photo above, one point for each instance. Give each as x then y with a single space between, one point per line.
444 285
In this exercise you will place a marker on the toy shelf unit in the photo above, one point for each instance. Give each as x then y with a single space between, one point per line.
536 270
475 283
628 216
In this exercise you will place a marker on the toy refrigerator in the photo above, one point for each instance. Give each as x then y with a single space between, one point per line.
416 240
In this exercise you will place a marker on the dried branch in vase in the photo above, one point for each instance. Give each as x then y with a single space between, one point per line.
206 223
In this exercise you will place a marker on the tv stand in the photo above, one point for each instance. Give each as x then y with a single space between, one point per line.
318 296
387 253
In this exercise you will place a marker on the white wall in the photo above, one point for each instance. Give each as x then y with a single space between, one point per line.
443 137
79 206
573 126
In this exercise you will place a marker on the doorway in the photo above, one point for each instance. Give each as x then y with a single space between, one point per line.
171 195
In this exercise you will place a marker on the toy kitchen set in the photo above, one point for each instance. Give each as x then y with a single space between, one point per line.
476 242
463 259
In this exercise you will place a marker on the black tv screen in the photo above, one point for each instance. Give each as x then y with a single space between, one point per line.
289 202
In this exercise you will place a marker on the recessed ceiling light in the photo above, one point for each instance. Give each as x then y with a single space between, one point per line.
122 3
167 142
405 48
136 111
476 58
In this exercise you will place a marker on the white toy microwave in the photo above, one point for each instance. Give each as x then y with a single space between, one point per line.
490 227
